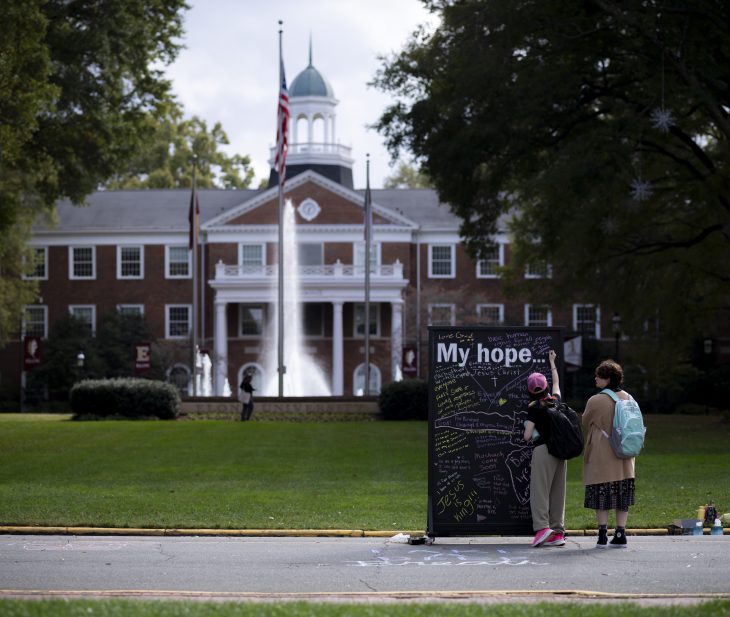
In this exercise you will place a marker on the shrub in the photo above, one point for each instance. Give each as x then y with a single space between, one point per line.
126 397
404 400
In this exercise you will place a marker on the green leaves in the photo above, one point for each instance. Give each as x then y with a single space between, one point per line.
547 112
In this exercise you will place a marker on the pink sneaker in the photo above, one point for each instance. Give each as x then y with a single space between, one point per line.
555 539
541 536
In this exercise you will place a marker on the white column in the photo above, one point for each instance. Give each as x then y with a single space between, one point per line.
337 350
396 339
221 347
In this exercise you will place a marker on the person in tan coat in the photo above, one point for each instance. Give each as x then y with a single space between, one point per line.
608 480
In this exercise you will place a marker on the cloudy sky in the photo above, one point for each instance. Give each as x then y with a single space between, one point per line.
228 71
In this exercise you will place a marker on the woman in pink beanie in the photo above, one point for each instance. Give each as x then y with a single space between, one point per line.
548 475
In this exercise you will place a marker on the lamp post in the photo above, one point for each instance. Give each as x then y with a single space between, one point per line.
616 321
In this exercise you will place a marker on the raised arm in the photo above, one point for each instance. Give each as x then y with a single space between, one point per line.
554 372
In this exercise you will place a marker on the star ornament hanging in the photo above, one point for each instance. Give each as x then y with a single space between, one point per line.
661 119
641 190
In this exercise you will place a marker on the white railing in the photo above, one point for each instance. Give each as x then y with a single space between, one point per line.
336 270
316 148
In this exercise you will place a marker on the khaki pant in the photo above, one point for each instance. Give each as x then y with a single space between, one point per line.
547 490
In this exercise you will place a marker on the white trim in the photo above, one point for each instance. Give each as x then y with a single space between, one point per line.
262 324
71 308
597 321
167 262
375 376
529 275
374 312
500 264
359 247
44 308
139 276
71 275
120 307
189 307
452 261
499 307
309 209
445 305
549 314
261 245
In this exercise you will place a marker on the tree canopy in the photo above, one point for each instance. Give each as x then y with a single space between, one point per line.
165 161
599 128
78 84
407 177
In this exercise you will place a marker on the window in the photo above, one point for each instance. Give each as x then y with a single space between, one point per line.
251 318
85 313
251 257
179 376
177 320
441 314
130 262
82 262
35 321
177 262
490 314
130 309
313 322
538 315
39 266
441 261
492 259
587 320
311 254
359 380
360 320
358 256
540 270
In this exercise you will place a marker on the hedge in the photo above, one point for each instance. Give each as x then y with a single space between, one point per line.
124 398
404 400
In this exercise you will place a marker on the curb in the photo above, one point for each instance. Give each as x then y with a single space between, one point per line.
267 533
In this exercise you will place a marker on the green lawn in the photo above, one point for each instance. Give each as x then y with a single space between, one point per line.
349 475
132 608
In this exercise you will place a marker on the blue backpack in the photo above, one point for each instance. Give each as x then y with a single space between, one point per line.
627 436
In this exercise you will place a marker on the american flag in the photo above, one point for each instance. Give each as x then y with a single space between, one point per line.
282 127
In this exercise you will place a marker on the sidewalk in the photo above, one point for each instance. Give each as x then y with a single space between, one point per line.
262 533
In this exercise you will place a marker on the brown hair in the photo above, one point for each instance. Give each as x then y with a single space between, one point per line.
608 369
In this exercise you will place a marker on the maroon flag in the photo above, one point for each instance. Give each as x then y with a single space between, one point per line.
194 218
31 352
282 126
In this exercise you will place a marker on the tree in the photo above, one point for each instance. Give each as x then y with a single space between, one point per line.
600 127
78 82
166 159
407 177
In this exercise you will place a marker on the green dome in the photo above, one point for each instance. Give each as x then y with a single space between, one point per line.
310 82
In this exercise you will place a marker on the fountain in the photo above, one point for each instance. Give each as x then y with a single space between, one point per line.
303 377
204 376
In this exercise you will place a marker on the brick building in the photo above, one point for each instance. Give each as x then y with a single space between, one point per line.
128 251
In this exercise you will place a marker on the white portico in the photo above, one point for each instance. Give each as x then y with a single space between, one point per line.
335 284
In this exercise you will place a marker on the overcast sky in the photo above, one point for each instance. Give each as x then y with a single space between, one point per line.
228 71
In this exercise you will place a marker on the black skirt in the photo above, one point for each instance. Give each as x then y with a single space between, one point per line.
610 495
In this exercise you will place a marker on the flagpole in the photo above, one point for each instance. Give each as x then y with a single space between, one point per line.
368 230
194 209
280 305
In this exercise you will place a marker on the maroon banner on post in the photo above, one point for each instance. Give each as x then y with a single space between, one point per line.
410 361
31 352
142 357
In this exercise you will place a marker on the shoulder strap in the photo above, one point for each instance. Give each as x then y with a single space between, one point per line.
610 393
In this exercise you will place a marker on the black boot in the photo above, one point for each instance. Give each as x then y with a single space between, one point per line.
619 538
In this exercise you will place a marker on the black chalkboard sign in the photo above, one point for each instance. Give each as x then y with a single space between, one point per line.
478 463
